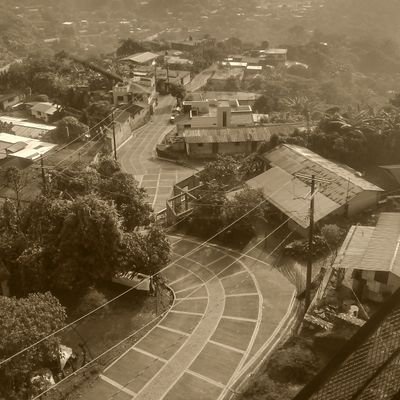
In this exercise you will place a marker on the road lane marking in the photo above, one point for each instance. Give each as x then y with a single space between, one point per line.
225 346
187 312
118 386
174 330
239 318
204 378
146 353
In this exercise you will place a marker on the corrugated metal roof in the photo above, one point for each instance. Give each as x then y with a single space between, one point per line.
141 58
249 133
291 196
342 183
373 248
24 147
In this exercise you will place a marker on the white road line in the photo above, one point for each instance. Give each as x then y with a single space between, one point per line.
187 312
242 294
174 330
225 346
190 288
146 353
194 298
235 274
179 279
204 378
118 386
239 318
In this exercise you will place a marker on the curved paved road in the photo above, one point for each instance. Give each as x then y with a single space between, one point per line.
222 321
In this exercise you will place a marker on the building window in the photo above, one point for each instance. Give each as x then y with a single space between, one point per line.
200 144
120 98
237 143
382 276
224 119
187 126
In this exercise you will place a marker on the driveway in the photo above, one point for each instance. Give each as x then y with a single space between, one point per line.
229 311
137 157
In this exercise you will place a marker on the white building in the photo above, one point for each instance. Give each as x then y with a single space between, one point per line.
44 111
214 114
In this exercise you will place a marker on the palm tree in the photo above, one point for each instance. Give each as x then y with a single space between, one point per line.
302 105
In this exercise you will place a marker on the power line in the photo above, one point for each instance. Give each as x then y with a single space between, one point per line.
154 319
134 287
204 315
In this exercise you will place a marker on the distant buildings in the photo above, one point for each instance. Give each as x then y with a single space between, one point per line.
140 89
145 58
44 111
206 113
257 60
23 127
370 258
23 148
7 101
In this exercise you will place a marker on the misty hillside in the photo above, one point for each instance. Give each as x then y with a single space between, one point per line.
361 18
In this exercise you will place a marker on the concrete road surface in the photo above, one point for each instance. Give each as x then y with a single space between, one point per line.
137 157
229 311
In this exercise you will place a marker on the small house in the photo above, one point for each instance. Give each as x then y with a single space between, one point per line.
44 111
370 258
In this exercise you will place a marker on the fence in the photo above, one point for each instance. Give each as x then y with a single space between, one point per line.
368 366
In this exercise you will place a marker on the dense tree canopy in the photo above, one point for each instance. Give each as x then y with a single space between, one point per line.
83 232
23 322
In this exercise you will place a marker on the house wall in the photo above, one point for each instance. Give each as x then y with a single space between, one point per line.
203 122
363 201
39 115
376 291
210 150
199 150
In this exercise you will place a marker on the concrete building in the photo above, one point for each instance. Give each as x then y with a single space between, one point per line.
174 77
343 192
44 111
207 143
273 57
370 258
140 89
214 114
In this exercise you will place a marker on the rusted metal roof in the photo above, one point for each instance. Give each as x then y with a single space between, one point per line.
341 183
373 248
291 196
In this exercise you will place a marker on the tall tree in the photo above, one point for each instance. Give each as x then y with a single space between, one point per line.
23 322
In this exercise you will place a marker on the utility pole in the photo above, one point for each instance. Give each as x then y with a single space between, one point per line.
313 179
43 175
113 133
167 65
310 246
